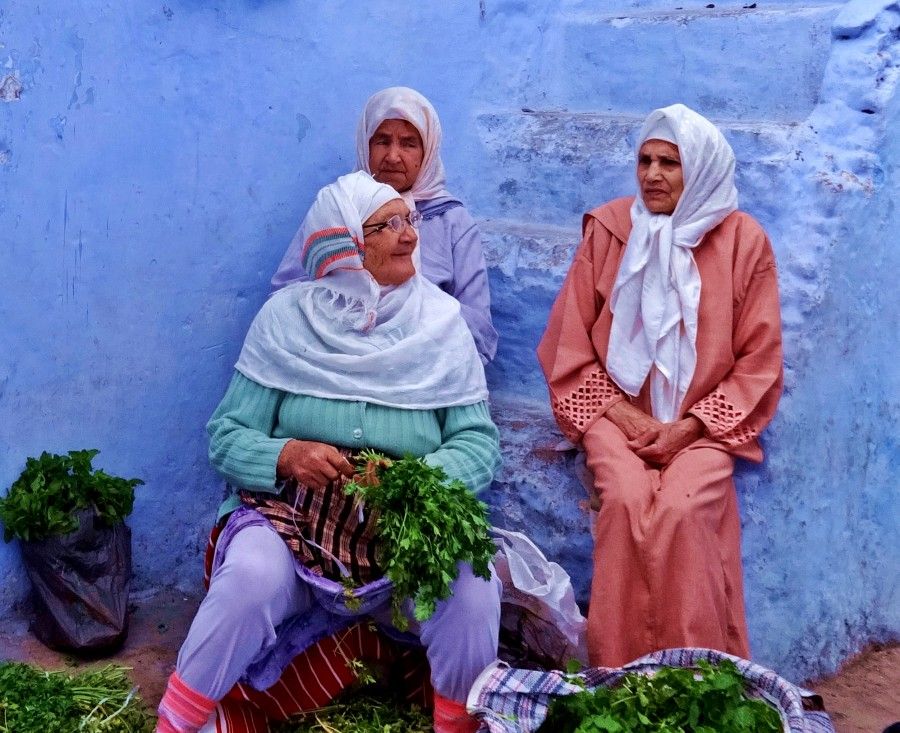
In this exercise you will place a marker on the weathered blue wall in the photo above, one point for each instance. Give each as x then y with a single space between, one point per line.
156 158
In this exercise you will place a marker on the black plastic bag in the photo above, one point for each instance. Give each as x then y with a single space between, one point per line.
80 585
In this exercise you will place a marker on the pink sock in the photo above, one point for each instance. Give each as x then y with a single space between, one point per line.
182 710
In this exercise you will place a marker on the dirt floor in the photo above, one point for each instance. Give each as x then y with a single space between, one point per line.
864 697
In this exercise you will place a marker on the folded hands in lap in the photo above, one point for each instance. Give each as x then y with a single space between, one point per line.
653 441
312 464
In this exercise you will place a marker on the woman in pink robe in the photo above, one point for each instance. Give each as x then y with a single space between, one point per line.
663 359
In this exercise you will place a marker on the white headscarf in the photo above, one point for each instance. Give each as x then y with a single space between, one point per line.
656 296
403 103
343 336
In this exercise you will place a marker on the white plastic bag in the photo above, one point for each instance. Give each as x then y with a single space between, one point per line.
541 624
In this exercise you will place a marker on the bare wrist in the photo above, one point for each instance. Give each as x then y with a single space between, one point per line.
281 465
695 426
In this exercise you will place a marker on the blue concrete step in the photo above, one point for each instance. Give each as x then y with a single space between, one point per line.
633 59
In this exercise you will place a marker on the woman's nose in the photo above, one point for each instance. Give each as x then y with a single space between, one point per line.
393 153
409 233
653 171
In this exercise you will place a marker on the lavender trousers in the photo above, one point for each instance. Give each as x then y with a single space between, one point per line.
256 589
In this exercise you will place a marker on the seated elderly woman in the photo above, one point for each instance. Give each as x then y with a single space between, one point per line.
663 359
368 354
398 141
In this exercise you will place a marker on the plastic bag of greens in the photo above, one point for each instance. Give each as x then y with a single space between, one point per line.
69 519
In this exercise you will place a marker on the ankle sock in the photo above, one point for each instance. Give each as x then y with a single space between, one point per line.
182 709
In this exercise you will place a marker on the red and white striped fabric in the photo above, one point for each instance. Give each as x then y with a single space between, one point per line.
319 674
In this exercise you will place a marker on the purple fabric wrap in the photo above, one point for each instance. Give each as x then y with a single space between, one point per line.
327 617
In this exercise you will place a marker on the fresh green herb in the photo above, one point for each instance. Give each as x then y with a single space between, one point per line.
97 701
426 525
674 700
44 499
351 601
360 712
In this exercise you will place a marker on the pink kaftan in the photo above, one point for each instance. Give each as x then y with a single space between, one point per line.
667 560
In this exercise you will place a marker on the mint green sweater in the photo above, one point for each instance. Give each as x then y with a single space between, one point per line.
252 423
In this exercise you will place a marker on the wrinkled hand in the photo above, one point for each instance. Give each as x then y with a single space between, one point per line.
312 464
660 444
631 420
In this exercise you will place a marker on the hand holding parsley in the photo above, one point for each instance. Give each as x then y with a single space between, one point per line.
427 524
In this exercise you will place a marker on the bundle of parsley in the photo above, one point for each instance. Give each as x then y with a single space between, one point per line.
427 524
96 701
674 700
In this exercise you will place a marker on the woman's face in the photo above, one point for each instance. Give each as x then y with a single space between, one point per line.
395 154
660 176
388 253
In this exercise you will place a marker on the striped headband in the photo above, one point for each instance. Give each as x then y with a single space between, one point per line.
330 249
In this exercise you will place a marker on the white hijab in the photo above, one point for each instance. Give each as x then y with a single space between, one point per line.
656 295
343 336
403 103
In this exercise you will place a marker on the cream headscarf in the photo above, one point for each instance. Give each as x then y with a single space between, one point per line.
656 296
403 103
343 336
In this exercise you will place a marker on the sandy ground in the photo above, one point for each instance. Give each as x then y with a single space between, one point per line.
864 697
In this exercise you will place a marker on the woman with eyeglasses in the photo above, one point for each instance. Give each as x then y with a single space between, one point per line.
398 141
367 354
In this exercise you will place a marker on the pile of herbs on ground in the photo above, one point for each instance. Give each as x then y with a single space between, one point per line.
42 502
674 700
366 711
96 701
426 525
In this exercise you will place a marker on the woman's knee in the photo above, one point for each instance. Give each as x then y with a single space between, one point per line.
253 574
695 487
472 600
622 481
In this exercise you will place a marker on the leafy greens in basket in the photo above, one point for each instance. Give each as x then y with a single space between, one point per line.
674 700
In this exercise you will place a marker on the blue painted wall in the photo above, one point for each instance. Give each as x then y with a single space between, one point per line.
155 159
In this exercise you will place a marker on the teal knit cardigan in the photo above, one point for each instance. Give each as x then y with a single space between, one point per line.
252 423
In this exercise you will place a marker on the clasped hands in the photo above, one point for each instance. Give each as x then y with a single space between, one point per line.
651 440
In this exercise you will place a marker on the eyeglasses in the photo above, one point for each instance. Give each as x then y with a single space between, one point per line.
397 223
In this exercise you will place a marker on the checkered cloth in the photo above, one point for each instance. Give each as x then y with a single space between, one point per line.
328 531
508 700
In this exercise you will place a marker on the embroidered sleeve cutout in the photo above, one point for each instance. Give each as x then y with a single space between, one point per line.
576 411
723 420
